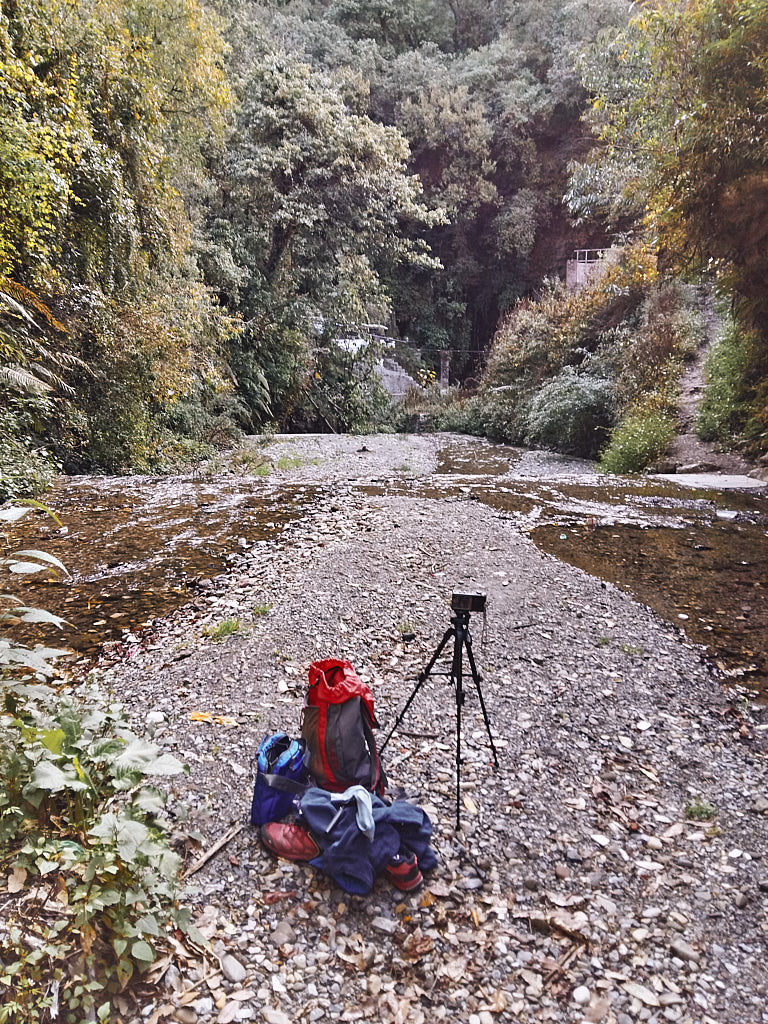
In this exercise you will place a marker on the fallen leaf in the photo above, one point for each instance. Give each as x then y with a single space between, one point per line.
418 945
271 898
16 879
201 716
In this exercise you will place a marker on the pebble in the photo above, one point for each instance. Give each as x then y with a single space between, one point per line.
185 1015
683 951
232 969
283 934
384 924
581 995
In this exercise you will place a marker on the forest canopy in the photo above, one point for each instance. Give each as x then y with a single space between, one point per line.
198 198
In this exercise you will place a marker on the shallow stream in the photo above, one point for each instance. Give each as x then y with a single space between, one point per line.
139 546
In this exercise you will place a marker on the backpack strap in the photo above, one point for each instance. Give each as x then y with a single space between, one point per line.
282 783
377 772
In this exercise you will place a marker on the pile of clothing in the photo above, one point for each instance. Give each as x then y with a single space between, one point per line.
354 836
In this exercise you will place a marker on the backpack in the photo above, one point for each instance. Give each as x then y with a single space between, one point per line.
337 723
282 772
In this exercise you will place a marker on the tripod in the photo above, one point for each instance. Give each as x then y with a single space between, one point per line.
459 630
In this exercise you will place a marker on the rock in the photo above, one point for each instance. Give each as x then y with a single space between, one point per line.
282 934
185 1015
562 871
741 900
272 1016
641 992
384 924
172 979
760 806
581 995
683 951
531 884
228 1012
232 969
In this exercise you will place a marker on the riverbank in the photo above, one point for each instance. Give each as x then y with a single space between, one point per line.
612 869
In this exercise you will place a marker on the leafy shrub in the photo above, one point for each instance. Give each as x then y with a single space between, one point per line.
725 408
94 880
25 470
571 414
639 440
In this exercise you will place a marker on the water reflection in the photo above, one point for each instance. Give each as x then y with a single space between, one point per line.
137 546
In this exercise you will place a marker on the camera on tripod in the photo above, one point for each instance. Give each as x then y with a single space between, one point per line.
462 603
468 601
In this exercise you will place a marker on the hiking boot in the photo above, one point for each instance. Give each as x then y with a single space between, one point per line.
290 841
403 871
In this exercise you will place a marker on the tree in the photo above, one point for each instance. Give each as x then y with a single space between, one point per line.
310 221
108 111
680 113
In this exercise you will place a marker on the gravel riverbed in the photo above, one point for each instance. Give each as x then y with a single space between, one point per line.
614 868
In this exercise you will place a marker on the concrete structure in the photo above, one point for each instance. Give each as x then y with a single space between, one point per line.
587 264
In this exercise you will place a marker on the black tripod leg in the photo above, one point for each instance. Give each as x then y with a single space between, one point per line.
422 677
456 677
476 677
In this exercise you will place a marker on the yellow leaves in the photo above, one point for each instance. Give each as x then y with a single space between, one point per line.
211 719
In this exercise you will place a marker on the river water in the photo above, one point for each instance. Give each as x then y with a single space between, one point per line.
140 546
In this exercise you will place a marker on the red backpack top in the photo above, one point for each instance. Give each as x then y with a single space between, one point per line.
337 724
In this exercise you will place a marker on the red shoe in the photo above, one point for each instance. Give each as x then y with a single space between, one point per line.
403 871
290 841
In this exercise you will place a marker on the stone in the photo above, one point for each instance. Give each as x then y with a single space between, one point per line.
282 934
741 900
531 884
384 924
272 1016
581 995
232 969
185 1015
683 951
760 806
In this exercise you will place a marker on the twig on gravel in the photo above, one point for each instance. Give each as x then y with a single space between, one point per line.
204 858
563 962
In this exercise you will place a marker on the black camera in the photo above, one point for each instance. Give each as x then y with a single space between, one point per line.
468 601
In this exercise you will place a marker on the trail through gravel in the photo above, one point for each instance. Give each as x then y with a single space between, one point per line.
613 869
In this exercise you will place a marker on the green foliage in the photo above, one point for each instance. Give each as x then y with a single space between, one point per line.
700 810
572 413
308 220
95 882
344 393
729 385
641 438
92 882
222 629
24 469
107 114
680 112
18 662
